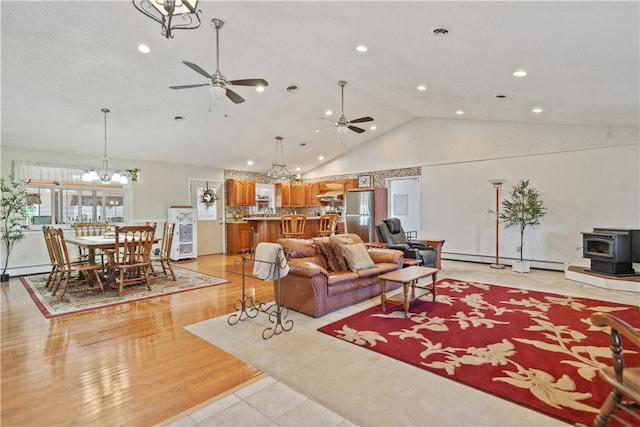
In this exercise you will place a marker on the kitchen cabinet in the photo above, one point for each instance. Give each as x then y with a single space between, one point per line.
241 192
296 190
283 195
184 243
311 191
238 237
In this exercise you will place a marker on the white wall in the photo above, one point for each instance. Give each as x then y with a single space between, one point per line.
587 176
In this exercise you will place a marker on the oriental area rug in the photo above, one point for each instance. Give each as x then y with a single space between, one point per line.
78 299
536 349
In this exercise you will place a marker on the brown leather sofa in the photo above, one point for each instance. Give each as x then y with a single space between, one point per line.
321 280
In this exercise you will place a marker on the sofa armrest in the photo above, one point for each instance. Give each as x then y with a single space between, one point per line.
306 269
385 255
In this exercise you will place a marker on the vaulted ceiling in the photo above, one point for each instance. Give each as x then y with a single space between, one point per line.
64 61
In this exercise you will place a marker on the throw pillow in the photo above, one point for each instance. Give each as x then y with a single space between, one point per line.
357 257
325 248
337 242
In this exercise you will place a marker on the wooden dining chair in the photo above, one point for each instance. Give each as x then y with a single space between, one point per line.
65 267
293 225
328 223
53 274
130 260
83 229
164 257
624 380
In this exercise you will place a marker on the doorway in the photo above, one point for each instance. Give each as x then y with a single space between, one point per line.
404 203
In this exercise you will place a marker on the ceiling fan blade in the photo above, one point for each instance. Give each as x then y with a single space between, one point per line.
361 120
249 82
237 99
324 118
356 129
197 69
188 86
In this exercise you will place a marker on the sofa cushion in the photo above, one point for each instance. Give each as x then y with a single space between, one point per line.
357 257
298 248
337 277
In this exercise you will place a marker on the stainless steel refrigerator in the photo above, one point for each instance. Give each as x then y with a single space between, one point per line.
363 209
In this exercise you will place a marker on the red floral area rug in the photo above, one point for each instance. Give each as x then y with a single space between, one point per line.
536 349
79 298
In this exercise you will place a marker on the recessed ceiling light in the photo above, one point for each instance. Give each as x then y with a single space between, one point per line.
178 118
440 31
292 88
537 110
373 127
259 88
501 96
298 169
317 130
361 48
519 73
460 112
328 113
421 87
250 162
144 48
303 144
320 157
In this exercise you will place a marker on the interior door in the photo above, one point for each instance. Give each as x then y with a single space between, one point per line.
404 202
210 227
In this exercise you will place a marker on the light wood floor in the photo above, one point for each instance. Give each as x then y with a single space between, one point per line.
131 364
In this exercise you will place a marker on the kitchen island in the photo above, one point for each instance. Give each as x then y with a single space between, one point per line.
266 229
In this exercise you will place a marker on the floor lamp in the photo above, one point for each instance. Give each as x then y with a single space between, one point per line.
497 183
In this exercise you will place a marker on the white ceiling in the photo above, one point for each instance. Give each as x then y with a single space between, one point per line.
63 61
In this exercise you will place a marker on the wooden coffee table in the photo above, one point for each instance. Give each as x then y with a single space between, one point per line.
409 278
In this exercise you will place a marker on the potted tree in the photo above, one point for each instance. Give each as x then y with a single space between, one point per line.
13 213
524 208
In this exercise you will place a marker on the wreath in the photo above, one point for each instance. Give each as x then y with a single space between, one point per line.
208 197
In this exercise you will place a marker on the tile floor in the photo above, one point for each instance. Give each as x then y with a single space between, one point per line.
265 402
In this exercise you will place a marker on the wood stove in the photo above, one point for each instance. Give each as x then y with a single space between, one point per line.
612 251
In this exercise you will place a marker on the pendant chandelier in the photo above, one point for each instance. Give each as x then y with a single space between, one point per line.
279 168
164 12
106 176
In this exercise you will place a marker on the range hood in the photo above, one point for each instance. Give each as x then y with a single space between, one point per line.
331 192
330 196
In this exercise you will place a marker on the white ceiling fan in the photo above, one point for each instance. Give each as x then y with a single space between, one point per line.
217 82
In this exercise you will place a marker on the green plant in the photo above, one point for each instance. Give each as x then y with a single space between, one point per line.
13 212
524 208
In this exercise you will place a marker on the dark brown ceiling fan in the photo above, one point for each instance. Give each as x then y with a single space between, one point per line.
217 82
342 124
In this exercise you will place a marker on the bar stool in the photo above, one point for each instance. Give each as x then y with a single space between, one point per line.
328 223
293 225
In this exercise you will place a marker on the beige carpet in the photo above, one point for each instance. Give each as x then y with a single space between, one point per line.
370 389
367 388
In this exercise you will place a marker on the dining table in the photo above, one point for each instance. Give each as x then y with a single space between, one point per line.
92 243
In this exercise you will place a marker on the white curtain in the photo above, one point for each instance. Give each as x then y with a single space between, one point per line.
46 172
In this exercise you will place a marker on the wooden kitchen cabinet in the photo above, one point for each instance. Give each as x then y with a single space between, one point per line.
311 191
238 237
241 192
283 195
296 190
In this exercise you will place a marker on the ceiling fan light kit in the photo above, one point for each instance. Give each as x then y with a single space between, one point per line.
218 82
163 12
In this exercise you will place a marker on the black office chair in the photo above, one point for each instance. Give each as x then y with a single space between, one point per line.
390 231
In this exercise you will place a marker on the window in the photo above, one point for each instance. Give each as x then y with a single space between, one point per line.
56 195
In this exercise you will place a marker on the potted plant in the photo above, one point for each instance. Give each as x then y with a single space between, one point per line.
524 208
13 213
